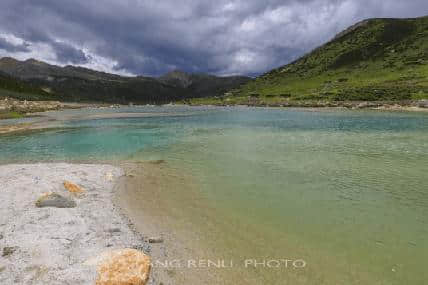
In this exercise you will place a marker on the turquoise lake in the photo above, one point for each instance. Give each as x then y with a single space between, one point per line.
345 191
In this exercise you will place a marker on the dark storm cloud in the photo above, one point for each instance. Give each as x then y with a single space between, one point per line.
67 53
152 37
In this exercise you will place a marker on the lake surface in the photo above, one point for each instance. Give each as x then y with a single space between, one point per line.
344 191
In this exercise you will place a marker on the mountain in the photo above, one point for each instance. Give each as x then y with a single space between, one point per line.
177 78
34 69
376 59
12 87
73 83
200 83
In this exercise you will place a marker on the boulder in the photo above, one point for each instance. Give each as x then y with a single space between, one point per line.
73 188
55 200
124 267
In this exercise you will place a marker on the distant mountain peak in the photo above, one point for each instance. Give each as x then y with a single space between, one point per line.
177 78
176 71
36 62
80 83
7 59
33 60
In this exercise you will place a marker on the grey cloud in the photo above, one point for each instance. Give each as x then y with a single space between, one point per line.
9 47
66 53
224 37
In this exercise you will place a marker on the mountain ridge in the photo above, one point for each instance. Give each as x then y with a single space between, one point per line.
76 83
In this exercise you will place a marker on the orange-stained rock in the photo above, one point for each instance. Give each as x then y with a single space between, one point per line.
73 188
124 267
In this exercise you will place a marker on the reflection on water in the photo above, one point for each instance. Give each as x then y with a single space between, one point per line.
345 191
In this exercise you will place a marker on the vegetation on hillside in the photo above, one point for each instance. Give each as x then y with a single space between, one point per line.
11 87
377 59
10 115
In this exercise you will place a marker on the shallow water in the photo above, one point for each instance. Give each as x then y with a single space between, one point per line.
345 191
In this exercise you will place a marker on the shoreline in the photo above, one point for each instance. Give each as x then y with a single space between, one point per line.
56 246
14 109
140 193
118 210
60 245
152 193
404 106
44 121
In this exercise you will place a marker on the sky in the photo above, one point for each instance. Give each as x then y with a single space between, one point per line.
145 37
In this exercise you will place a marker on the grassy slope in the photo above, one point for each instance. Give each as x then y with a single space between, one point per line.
10 115
11 87
379 59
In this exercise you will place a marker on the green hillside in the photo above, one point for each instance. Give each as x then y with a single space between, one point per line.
15 88
377 59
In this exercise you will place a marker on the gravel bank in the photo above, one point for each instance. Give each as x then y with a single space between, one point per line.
59 245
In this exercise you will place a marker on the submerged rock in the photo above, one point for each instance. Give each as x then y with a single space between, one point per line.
9 250
155 240
159 161
73 188
55 200
124 267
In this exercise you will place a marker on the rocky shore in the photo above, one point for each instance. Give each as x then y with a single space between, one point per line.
11 108
59 225
418 105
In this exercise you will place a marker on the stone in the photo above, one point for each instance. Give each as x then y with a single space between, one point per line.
1 236
363 105
124 267
114 230
73 188
109 176
9 250
158 161
423 104
155 240
55 200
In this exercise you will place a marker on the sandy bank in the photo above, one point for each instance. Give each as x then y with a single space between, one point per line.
54 245
151 195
